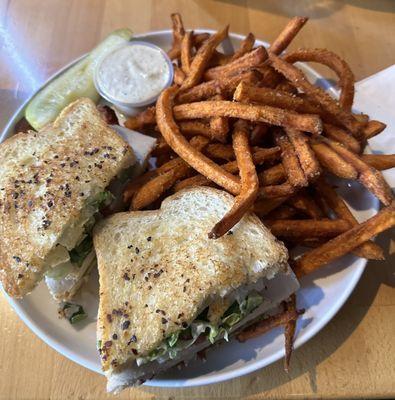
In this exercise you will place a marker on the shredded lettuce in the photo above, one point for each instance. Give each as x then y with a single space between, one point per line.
101 200
172 339
78 254
181 340
231 319
73 312
252 301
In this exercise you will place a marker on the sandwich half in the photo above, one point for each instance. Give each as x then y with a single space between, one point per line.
167 291
52 185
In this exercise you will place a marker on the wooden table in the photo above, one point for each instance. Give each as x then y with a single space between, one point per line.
354 356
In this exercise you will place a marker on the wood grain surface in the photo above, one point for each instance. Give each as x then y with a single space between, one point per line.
354 355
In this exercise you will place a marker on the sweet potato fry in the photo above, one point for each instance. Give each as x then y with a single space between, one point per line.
306 204
197 180
270 77
346 242
289 332
247 93
249 60
248 178
220 125
168 174
318 95
262 155
152 190
196 127
186 52
179 75
225 152
305 154
221 151
332 162
246 46
276 191
259 133
307 228
282 212
179 144
334 62
200 38
163 159
177 27
264 206
267 324
272 175
310 243
339 135
369 177
135 185
178 32
271 115
363 118
175 52
225 85
161 148
379 161
197 142
369 250
373 128
259 156
287 35
322 204
286 87
290 161
202 58
172 164
219 58
146 117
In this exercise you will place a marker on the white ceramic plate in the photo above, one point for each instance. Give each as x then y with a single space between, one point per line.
322 294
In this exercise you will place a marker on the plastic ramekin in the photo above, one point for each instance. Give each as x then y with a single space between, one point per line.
131 108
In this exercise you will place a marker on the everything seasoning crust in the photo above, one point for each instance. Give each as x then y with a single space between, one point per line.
46 179
163 263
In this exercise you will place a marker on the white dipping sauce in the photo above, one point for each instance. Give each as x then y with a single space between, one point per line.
133 74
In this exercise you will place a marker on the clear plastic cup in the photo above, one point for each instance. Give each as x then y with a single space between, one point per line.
133 108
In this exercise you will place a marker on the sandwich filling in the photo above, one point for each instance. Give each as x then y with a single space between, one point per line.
202 328
73 256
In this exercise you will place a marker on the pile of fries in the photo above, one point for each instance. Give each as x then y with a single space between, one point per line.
252 124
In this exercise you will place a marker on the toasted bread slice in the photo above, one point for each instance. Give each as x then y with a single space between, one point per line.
46 179
159 270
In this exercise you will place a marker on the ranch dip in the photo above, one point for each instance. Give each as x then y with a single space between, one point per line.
134 74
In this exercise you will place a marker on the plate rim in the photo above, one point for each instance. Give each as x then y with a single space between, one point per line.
254 365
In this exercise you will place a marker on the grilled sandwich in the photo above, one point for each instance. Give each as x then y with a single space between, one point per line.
167 291
52 184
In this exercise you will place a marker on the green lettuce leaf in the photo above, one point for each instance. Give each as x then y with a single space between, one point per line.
176 342
78 254
73 312
232 319
172 339
101 200
252 301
